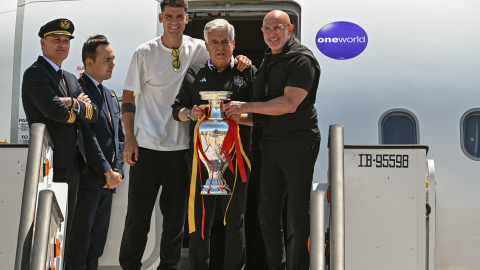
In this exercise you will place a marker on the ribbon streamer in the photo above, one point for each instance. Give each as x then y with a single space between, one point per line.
232 142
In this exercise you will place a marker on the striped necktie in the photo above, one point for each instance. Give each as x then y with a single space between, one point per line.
60 72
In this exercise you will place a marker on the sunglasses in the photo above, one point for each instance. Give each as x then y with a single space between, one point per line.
176 62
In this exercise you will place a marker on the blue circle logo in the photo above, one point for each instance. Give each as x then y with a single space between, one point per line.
341 40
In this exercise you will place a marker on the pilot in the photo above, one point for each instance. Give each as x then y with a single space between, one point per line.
285 88
53 96
219 73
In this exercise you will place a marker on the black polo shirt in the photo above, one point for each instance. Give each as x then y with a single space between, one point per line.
205 78
300 71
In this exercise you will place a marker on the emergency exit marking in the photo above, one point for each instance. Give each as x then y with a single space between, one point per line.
383 160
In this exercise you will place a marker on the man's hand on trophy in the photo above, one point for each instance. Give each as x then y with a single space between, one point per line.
235 117
195 113
235 108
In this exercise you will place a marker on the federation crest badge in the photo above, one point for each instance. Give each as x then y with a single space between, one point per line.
65 24
238 81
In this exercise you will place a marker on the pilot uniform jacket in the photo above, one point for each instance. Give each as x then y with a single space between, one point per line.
104 139
41 89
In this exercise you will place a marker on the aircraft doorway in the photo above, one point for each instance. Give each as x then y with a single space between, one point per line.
248 36
249 42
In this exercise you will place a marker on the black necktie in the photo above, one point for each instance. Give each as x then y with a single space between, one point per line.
102 91
105 107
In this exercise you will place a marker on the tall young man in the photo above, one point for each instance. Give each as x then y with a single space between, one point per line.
156 144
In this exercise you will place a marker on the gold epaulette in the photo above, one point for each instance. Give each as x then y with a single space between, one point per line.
88 111
73 116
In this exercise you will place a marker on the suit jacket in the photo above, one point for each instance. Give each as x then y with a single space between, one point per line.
104 139
41 89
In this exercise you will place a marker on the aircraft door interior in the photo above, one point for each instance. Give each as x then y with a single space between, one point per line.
248 36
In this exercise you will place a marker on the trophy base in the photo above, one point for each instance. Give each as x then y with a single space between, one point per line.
211 190
215 187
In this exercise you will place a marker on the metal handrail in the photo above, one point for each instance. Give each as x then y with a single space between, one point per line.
46 203
39 139
317 230
337 213
431 219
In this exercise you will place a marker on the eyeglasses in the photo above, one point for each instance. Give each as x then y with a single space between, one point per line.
276 29
176 62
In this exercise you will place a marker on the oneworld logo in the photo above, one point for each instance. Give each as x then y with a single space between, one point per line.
341 40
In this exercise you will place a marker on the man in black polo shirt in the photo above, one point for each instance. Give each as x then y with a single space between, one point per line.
285 88
218 74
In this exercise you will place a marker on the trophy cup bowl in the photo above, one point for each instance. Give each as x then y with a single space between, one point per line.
212 134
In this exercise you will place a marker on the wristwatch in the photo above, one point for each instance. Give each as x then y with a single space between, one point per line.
188 115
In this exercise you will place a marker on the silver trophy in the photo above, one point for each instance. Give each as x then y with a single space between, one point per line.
212 133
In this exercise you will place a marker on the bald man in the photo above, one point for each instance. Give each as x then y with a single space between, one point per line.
285 88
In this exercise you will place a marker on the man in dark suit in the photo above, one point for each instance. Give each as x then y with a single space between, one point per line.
54 97
104 144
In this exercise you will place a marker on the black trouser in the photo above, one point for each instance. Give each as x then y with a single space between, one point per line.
287 168
199 249
71 176
152 170
89 228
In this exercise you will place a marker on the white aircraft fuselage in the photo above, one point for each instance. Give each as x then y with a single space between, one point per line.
418 59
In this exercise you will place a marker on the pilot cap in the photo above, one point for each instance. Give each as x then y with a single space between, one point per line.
57 27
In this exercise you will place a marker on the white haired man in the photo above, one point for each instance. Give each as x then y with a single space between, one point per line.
219 73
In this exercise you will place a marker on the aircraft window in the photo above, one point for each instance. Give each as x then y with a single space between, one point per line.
471 134
398 127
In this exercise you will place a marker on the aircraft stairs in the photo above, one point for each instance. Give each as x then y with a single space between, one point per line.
377 210
40 209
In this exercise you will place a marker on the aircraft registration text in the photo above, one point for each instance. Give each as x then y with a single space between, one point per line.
383 160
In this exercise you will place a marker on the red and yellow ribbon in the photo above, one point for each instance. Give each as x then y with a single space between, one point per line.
232 142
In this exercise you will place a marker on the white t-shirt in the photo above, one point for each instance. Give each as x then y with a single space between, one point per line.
152 78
